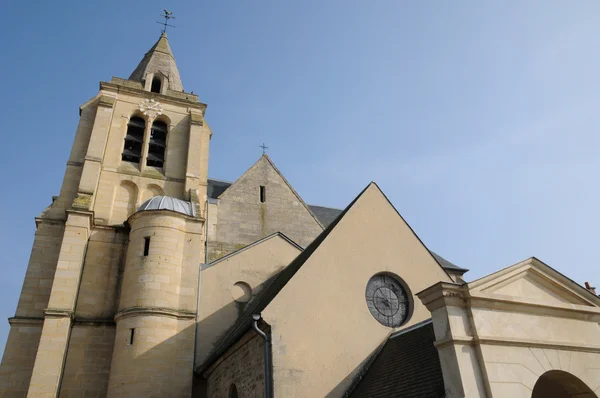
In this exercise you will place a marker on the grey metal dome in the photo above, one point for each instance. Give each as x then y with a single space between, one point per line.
168 203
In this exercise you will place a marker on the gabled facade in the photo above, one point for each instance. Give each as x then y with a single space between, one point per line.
525 331
259 203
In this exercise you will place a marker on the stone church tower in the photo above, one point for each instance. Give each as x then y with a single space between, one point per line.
101 277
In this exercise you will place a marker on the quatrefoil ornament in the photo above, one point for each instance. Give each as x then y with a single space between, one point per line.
151 108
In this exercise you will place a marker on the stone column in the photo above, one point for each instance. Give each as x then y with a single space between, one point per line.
146 143
52 350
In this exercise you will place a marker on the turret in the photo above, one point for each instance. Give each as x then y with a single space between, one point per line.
157 307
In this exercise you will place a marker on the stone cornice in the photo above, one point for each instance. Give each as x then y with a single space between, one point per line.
21 320
196 118
166 213
504 341
107 101
194 103
58 313
156 311
444 294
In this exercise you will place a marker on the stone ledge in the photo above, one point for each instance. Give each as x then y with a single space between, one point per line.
58 313
156 311
19 320
503 341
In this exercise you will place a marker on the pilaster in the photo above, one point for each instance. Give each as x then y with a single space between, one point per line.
455 342
92 164
51 354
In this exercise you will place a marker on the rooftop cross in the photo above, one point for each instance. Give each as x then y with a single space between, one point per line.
167 15
264 148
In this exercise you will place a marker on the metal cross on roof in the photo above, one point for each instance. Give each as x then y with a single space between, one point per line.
264 148
167 15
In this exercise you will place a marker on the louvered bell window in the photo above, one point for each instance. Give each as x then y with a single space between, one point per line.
157 144
132 151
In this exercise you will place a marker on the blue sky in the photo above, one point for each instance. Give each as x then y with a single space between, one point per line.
479 120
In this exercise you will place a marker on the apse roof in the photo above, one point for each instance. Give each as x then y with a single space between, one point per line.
168 203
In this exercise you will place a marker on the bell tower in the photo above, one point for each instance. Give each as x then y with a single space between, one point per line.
138 138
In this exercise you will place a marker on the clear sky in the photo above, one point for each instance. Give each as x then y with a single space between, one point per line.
479 120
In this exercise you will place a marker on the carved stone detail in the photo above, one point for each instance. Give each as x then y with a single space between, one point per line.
151 108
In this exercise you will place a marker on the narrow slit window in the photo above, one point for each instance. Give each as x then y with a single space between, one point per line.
146 245
157 144
233 391
131 335
132 151
263 196
155 87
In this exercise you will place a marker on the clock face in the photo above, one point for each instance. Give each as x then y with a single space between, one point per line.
387 300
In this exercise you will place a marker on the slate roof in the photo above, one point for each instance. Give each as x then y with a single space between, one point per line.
216 187
408 366
325 215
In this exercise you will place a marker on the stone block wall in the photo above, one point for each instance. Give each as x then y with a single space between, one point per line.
101 278
242 218
243 366
88 361
19 358
40 271
159 362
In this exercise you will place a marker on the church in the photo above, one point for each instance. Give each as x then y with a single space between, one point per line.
148 278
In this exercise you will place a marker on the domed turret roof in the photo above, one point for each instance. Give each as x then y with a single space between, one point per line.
168 203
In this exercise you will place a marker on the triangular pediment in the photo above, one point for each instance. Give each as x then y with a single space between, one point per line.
534 282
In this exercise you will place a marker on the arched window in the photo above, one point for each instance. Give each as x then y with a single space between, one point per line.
132 152
157 144
155 87
233 391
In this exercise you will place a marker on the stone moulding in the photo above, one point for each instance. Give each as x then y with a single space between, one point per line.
32 321
156 311
107 101
58 313
503 341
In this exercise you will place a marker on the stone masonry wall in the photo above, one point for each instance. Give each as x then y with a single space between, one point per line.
104 261
243 365
40 271
244 219
88 361
18 359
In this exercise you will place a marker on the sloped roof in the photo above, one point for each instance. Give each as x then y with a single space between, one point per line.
159 59
325 215
259 303
275 285
407 366
168 203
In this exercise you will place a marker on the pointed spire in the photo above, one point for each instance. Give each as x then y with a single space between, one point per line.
159 59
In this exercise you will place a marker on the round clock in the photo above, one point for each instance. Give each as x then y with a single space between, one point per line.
387 300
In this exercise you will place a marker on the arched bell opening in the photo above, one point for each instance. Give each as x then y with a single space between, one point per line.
559 384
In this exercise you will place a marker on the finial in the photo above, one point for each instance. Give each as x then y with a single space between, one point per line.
264 148
167 15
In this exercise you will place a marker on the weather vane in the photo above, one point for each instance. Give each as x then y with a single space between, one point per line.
264 147
167 15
